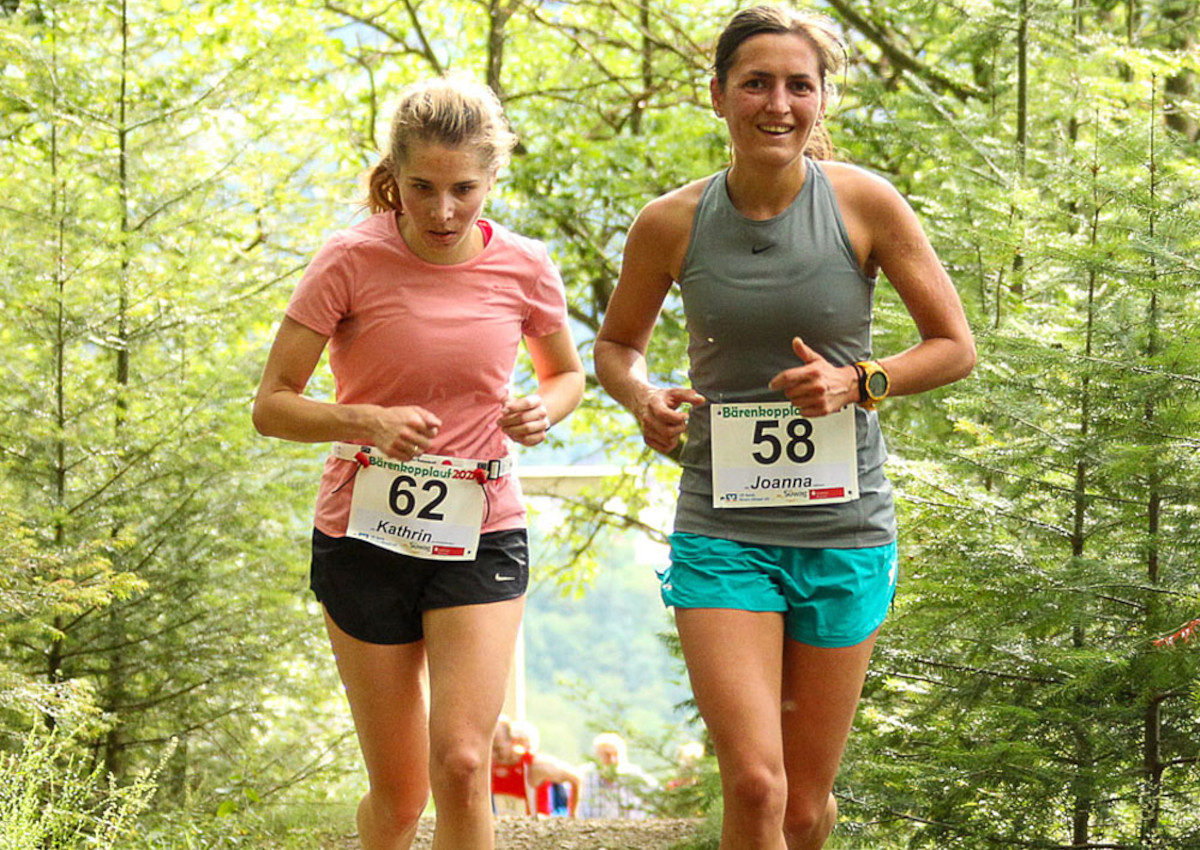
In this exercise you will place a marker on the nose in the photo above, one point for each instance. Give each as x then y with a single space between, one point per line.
777 100
443 209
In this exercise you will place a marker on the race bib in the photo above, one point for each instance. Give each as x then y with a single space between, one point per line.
768 455
431 507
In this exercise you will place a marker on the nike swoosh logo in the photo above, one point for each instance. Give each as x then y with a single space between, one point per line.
505 578
758 249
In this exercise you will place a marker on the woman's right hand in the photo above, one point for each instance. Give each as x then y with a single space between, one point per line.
661 420
403 432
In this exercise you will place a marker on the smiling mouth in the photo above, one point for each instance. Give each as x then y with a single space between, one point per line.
776 129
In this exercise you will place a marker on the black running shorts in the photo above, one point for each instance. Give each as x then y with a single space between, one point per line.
379 596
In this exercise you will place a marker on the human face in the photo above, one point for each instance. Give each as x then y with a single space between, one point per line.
607 754
503 751
442 191
772 98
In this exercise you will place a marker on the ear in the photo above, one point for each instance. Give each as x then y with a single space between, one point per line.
714 89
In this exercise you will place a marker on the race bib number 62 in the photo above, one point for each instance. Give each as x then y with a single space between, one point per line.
768 455
425 508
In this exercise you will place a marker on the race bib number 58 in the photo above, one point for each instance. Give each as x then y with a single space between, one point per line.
768 455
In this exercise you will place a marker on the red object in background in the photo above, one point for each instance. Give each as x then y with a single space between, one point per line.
1184 635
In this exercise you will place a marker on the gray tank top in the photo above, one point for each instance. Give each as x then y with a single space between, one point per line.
749 287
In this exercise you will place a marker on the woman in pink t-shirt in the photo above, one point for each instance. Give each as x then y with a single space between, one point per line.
420 555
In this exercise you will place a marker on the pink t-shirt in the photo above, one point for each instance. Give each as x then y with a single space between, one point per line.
405 331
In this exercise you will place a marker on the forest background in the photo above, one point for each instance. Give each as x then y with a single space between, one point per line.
168 167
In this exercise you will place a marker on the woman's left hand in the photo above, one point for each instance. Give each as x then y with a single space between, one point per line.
816 388
525 420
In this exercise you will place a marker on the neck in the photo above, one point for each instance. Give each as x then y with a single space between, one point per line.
762 193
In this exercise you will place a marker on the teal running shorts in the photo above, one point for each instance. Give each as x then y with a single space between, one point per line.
829 597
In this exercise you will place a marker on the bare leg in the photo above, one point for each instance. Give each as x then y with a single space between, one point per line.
470 651
821 688
734 661
386 689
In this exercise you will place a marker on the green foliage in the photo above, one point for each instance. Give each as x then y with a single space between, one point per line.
307 826
145 218
169 167
593 662
1049 502
50 799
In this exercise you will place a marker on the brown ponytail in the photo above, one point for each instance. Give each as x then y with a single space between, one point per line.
820 145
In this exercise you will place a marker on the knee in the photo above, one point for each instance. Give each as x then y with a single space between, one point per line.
758 790
808 822
459 771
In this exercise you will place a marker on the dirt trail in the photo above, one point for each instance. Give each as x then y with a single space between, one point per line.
563 834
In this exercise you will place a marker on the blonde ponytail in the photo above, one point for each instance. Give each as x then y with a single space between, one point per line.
382 192
452 111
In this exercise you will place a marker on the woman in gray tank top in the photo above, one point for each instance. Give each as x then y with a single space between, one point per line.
783 556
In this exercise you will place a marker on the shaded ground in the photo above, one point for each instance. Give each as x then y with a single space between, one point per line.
564 834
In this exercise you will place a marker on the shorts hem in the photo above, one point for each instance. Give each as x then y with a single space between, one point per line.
374 640
832 642
726 608
488 601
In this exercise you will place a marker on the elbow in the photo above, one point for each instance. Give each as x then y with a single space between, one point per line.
260 422
578 384
260 416
603 357
969 358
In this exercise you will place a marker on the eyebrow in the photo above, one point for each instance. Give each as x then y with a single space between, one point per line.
801 76
416 179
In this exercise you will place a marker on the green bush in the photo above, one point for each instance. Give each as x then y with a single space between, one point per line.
49 800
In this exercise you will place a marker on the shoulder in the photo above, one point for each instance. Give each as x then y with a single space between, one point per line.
857 182
523 246
362 240
862 192
671 214
658 239
372 230
877 217
518 250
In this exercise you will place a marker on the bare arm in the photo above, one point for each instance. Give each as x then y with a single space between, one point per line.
887 236
560 387
549 769
653 250
946 352
282 410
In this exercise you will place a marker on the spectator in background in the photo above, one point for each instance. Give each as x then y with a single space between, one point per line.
613 786
523 779
687 765
684 797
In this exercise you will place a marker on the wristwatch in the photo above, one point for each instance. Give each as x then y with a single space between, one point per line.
873 383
